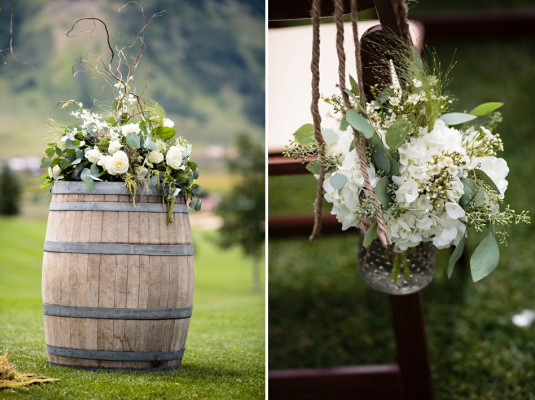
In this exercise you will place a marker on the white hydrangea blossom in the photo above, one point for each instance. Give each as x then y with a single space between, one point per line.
428 187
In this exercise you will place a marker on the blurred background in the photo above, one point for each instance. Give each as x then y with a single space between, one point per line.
204 63
480 336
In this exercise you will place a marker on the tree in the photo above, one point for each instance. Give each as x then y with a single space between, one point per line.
243 209
9 192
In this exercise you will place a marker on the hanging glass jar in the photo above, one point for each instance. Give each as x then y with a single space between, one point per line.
397 273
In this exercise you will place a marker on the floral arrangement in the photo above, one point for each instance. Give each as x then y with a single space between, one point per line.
435 173
131 141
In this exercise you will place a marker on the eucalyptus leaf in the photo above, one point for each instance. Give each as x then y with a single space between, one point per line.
64 163
77 171
486 108
469 189
479 198
370 235
381 192
394 165
455 255
132 140
45 162
76 161
314 167
195 204
354 84
485 258
360 123
487 179
153 181
50 152
397 133
344 125
380 159
351 94
94 170
86 172
196 190
89 182
456 118
329 135
305 135
337 180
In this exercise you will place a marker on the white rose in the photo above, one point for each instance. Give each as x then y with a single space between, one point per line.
174 157
114 146
129 128
54 172
118 163
93 155
155 157
168 123
103 161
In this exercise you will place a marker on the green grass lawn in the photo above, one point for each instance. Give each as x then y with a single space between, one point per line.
224 356
322 314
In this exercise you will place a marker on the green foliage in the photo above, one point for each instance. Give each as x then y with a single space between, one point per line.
337 180
360 123
456 118
10 192
485 258
485 108
456 255
243 210
396 134
371 235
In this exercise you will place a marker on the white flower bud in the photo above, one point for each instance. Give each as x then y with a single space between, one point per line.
114 146
93 155
174 157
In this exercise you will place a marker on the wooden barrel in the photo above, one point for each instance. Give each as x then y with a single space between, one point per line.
117 280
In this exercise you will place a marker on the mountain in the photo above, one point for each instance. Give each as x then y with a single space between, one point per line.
204 62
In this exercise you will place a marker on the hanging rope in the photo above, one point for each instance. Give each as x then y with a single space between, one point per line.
382 232
316 117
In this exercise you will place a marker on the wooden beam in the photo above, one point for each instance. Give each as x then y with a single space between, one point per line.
370 382
300 9
301 225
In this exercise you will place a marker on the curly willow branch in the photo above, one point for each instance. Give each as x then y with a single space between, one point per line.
314 109
382 232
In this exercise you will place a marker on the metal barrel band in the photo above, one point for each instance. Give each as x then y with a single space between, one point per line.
124 249
115 355
116 313
115 206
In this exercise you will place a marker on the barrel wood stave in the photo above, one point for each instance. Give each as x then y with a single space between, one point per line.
81 280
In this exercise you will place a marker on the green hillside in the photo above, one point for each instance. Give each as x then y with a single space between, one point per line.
204 63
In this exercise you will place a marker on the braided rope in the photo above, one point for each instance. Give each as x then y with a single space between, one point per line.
316 117
382 232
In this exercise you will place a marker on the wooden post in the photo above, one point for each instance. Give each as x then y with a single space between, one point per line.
413 358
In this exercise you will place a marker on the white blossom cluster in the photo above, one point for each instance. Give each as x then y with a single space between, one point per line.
427 189
114 160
